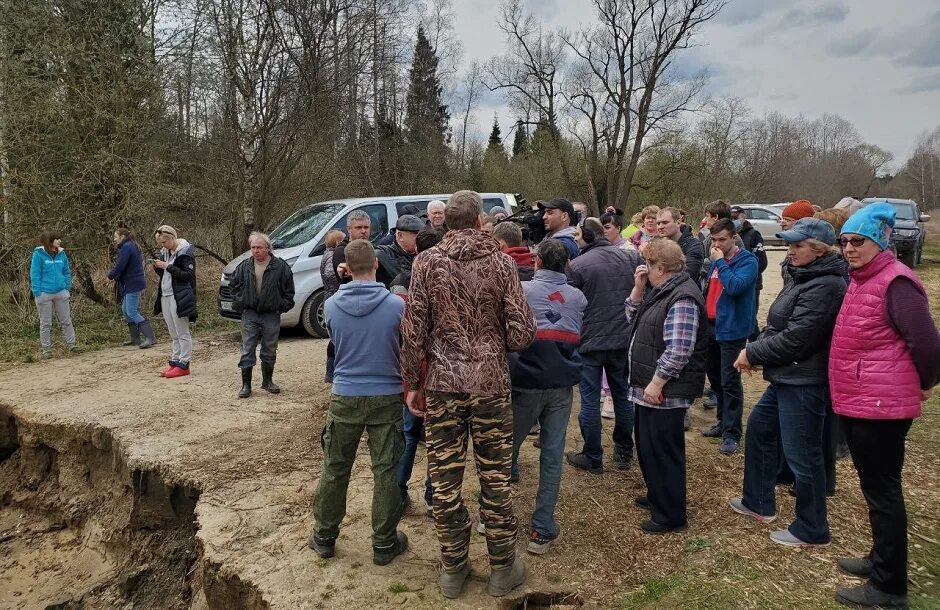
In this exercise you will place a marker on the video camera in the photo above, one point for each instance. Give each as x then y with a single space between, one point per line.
530 221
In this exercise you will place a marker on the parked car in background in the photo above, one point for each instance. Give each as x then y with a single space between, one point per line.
764 218
299 241
910 228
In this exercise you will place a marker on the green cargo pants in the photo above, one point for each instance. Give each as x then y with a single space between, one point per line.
347 418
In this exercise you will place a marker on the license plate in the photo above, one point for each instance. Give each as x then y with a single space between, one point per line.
227 305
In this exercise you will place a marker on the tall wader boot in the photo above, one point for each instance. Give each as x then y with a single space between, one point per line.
134 329
147 338
267 372
245 392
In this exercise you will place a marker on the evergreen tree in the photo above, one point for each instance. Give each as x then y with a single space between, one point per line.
520 142
426 118
496 137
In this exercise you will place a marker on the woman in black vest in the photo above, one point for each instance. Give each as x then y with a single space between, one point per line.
793 350
667 372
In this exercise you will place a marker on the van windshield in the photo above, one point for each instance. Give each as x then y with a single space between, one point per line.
303 225
904 211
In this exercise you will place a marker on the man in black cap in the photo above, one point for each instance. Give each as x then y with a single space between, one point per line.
397 257
560 220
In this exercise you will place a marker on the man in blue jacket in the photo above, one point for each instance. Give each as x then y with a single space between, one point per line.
363 318
729 302
542 377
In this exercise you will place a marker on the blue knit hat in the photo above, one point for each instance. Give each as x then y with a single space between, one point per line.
871 222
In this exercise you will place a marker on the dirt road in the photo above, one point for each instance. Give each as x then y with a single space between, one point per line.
175 493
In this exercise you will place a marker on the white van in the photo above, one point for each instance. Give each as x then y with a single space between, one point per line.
300 241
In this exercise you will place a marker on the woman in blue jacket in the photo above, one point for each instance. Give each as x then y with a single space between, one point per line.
128 274
50 277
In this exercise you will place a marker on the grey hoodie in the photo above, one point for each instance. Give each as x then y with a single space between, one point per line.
363 319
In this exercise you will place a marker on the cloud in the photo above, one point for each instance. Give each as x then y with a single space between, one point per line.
924 53
827 14
922 84
739 12
854 44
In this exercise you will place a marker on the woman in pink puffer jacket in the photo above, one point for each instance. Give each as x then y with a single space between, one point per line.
883 363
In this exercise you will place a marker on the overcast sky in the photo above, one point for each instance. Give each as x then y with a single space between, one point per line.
872 62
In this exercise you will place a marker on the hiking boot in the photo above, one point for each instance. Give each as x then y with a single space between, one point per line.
729 446
382 556
452 582
737 505
860 567
147 338
267 372
504 580
868 596
642 502
133 329
713 432
245 392
583 462
652 527
325 547
514 476
622 460
785 538
540 544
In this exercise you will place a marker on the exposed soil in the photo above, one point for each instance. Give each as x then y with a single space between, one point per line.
124 490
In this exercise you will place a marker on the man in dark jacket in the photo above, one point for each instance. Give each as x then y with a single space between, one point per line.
753 242
604 273
542 376
263 286
397 257
668 223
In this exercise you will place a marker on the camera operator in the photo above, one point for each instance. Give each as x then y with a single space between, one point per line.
560 220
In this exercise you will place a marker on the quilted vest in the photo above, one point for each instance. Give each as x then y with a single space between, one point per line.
871 373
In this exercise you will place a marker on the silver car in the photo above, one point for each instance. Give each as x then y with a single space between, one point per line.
765 218
299 240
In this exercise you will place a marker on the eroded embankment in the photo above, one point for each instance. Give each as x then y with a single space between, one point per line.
83 528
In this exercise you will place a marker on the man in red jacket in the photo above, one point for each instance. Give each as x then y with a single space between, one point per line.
509 237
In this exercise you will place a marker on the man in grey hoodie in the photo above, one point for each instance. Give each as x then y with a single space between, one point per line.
363 318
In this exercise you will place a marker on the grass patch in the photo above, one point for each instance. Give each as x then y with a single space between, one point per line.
694 545
398 587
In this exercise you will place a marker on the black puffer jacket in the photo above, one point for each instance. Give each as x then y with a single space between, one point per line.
393 260
694 252
754 242
277 287
794 346
604 273
183 272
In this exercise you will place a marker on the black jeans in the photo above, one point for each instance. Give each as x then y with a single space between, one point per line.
263 326
726 382
877 447
660 450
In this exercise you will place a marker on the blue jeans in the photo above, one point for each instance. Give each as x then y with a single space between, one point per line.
614 362
130 307
414 432
552 409
792 416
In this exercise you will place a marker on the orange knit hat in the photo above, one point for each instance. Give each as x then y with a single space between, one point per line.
801 208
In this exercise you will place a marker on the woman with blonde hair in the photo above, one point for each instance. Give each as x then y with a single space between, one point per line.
648 231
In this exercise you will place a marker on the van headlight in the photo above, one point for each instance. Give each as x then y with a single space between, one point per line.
906 232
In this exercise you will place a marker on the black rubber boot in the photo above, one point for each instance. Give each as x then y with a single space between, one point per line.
147 338
245 392
134 329
267 372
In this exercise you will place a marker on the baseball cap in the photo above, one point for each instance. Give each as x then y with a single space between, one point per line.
409 223
809 228
560 204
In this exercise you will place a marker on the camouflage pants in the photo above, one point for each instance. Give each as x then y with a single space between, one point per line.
449 420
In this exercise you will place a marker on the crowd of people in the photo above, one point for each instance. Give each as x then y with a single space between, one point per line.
456 331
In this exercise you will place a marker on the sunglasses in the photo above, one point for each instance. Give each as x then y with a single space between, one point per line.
855 241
